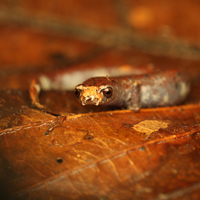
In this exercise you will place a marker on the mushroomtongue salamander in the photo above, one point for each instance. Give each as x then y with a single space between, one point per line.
136 91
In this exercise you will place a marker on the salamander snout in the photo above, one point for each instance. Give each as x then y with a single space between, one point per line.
93 94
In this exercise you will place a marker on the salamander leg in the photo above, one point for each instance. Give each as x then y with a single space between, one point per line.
135 103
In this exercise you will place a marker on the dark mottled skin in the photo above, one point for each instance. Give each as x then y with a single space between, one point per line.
152 90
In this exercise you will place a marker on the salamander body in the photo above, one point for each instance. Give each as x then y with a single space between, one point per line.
135 91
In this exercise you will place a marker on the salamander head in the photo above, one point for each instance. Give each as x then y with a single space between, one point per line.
93 94
97 90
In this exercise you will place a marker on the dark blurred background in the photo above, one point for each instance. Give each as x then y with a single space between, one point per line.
41 36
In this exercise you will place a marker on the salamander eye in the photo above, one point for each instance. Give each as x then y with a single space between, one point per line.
77 92
108 92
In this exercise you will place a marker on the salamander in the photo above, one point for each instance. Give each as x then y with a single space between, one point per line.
68 78
164 88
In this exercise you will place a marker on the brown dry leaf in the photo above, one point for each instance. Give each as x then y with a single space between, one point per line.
97 155
150 126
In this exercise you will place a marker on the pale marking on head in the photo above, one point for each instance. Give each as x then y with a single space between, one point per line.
92 93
